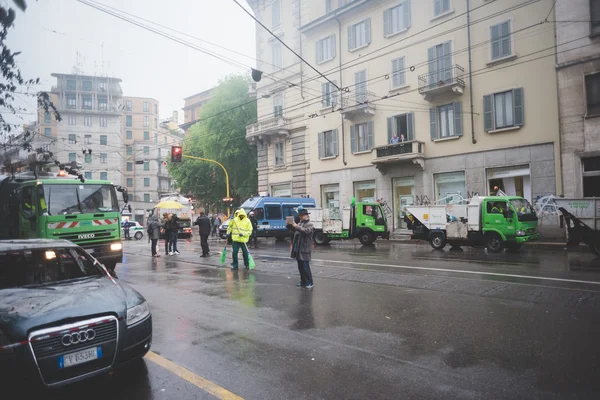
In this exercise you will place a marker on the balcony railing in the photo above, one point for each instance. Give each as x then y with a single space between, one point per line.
412 151
357 104
449 79
273 126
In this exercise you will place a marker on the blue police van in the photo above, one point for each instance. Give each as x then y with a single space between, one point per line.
270 212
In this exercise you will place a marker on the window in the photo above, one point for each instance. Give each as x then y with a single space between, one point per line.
103 122
72 120
147 197
156 109
87 121
446 121
146 135
360 86
277 56
325 49
440 63
276 13
102 103
401 128
103 158
500 40
441 7
146 121
398 72
71 84
503 110
86 85
156 138
103 176
361 137
129 182
591 177
129 166
47 118
71 102
146 107
396 19
128 120
129 135
278 105
595 16
103 140
328 144
47 132
146 150
146 166
273 212
365 191
102 86
87 139
450 187
330 199
128 106
329 94
87 103
72 157
155 123
88 174
146 181
279 153
359 35
328 6
592 94
129 150
72 138
88 158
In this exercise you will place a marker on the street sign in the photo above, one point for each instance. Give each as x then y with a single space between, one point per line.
139 162
164 163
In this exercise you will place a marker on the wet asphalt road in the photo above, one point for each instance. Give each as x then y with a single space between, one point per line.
384 322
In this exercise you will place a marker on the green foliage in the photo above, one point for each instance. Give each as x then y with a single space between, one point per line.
221 136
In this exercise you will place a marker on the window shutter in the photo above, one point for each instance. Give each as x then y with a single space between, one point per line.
410 126
332 46
519 107
432 68
319 50
445 5
370 133
406 14
488 113
458 118
353 138
387 22
447 74
506 38
433 122
437 7
324 93
368 30
351 38
390 128
336 151
495 33
320 144
334 94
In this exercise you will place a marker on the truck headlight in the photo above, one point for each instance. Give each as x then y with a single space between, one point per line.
521 233
116 246
137 313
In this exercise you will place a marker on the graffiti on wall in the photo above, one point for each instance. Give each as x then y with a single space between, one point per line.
422 200
470 195
386 208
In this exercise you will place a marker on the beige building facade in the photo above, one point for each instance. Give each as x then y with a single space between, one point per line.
424 103
192 108
578 72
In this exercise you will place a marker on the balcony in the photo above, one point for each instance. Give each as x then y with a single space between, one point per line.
355 106
274 126
406 152
163 174
441 82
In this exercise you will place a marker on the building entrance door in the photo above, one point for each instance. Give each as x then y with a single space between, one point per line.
404 196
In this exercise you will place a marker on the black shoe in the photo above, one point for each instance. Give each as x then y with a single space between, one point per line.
202 255
299 284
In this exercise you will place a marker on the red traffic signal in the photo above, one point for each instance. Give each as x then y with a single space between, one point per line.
176 153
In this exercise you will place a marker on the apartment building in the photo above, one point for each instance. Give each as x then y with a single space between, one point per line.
426 102
192 107
578 72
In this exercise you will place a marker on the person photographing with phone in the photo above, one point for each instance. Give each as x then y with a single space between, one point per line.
239 230
302 246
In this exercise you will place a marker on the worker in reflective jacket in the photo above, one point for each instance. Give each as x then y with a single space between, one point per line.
239 230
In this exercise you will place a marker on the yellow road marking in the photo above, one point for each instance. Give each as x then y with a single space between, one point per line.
192 378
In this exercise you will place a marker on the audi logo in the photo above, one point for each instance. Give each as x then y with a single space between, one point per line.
78 337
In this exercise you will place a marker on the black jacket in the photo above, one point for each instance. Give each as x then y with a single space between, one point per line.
173 224
204 225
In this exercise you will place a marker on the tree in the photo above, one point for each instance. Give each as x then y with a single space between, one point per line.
12 80
221 135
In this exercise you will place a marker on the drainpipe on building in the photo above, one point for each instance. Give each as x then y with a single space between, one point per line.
470 72
341 86
300 40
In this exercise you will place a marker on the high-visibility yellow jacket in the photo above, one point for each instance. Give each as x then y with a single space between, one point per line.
240 229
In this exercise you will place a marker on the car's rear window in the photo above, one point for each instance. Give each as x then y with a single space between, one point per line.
34 267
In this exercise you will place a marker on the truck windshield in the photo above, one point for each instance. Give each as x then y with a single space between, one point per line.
524 210
80 199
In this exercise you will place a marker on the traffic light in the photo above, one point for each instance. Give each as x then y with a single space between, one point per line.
176 154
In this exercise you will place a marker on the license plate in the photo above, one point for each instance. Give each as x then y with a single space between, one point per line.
91 251
79 357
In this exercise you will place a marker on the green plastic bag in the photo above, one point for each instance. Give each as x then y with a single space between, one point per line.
224 255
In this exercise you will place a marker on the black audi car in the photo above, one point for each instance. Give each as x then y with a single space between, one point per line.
63 317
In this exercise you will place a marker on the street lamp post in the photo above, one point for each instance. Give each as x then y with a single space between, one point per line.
226 175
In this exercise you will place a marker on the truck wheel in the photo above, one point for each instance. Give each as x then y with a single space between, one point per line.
437 241
494 243
139 235
366 238
321 238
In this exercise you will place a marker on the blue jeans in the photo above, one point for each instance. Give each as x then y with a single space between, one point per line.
173 242
305 273
236 248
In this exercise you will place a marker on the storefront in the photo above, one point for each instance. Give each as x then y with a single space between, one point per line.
364 191
513 181
450 187
282 190
330 200
404 196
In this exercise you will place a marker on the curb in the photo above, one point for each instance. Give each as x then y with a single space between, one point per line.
533 245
